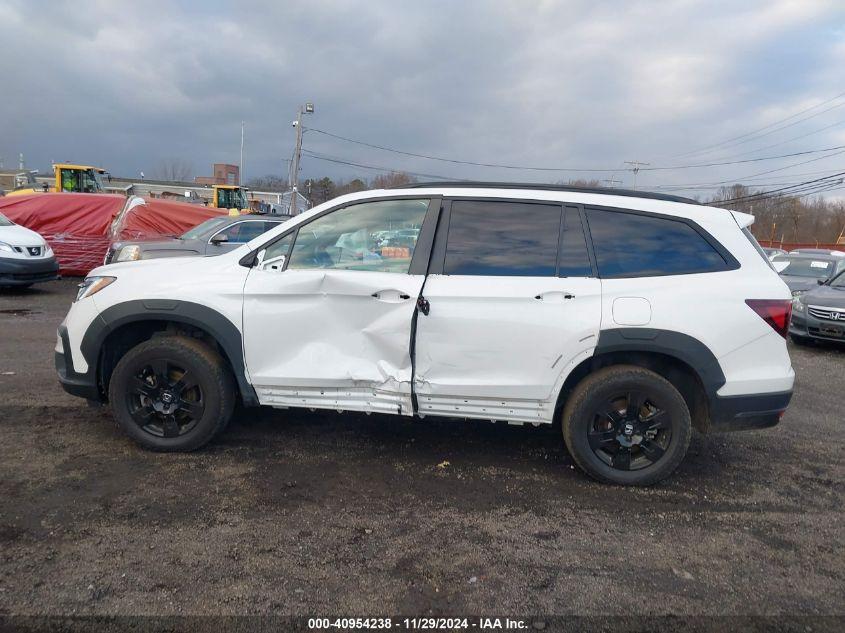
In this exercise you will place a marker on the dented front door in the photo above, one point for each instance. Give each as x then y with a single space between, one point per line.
332 330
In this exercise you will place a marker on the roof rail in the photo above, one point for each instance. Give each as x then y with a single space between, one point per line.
607 191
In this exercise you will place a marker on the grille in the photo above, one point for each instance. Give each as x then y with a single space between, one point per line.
828 314
34 251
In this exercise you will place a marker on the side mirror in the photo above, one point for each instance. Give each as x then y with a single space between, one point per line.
220 238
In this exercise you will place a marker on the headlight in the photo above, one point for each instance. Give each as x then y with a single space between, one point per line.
47 250
129 254
93 285
6 247
797 306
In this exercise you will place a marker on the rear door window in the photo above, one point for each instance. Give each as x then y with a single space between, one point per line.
502 239
574 260
630 244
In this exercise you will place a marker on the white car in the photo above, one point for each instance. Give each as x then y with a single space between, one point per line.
25 256
627 318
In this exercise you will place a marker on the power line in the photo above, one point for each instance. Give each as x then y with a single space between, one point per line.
455 160
783 189
770 125
771 171
341 161
570 169
794 138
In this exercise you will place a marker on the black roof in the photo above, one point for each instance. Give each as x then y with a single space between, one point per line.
607 191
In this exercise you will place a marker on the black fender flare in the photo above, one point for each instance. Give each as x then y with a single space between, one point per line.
681 346
226 333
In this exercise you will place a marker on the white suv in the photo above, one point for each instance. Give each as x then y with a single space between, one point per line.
627 318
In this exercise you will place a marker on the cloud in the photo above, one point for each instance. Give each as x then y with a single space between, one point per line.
575 83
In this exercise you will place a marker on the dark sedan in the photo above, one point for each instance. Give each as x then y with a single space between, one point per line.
803 272
213 237
820 313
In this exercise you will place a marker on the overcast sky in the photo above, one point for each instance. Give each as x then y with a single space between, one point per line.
568 84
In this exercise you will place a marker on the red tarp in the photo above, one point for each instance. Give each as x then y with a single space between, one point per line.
80 226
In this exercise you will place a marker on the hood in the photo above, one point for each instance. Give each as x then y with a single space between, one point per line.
140 265
16 235
168 242
801 284
825 296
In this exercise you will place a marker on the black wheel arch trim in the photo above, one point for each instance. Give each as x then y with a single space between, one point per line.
681 346
207 319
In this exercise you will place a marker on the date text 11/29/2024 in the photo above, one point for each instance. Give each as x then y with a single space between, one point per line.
419 624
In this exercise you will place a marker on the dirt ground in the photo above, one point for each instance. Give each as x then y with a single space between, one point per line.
321 513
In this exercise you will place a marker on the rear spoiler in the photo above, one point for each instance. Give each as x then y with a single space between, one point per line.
744 220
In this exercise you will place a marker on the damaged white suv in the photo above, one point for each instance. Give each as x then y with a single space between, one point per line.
627 318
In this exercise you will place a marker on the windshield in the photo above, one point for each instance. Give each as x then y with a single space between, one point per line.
201 229
4 221
231 199
809 267
838 281
91 182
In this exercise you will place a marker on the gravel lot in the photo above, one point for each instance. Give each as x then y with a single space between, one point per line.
303 513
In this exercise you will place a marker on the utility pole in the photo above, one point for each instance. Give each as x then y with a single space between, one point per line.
635 168
308 108
241 165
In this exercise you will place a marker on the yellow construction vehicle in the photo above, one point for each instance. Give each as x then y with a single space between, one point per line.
232 197
70 178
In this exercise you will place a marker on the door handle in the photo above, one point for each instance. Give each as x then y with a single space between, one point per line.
554 295
391 296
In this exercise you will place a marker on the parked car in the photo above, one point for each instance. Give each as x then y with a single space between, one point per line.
25 256
627 318
819 313
213 237
802 272
771 253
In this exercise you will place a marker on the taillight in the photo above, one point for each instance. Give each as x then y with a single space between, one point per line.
775 312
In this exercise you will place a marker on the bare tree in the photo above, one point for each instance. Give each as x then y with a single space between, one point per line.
269 182
173 169
393 179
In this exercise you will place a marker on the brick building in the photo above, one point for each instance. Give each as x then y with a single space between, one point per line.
224 174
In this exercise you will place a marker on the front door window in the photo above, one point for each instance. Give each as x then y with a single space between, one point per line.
373 236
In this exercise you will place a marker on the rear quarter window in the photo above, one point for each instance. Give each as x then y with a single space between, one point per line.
629 244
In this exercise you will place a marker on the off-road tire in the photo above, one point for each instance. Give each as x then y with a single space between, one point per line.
581 412
205 365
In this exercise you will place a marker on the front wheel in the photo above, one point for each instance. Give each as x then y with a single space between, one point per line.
172 393
626 425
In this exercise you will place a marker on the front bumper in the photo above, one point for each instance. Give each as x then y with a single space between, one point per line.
76 384
744 413
22 272
805 325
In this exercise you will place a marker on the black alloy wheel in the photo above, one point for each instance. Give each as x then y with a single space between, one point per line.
172 393
630 431
164 399
626 425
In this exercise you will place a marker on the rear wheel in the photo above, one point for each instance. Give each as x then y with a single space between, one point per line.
172 393
626 425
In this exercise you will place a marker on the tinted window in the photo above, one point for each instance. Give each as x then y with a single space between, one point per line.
573 261
631 245
376 236
242 232
502 238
